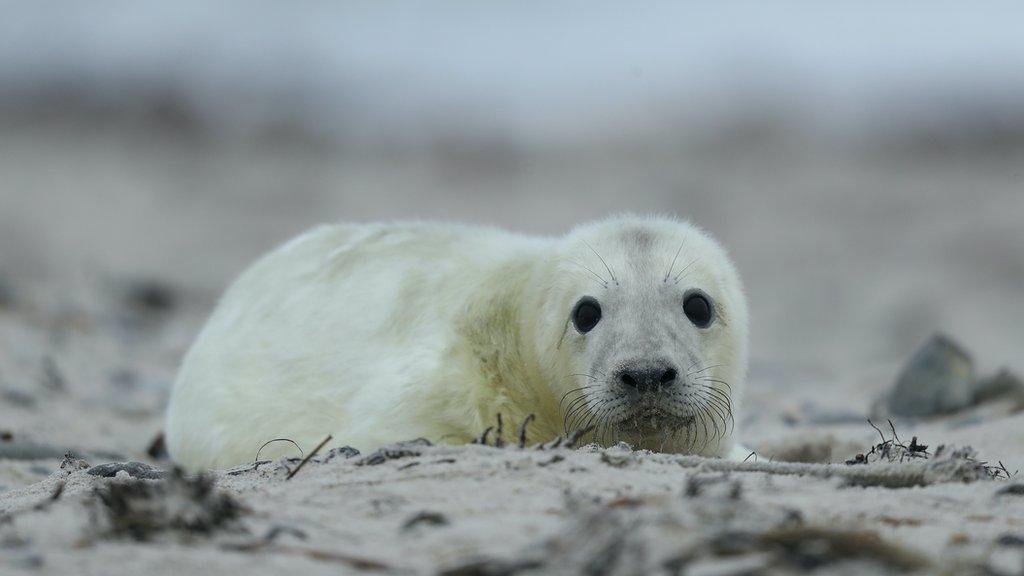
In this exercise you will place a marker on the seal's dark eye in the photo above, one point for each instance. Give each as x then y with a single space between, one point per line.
586 314
698 310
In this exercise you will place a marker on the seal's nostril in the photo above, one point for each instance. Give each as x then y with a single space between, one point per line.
647 378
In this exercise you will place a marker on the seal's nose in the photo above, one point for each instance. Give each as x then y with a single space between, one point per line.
645 377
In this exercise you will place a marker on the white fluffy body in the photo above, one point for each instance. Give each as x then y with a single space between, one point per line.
375 333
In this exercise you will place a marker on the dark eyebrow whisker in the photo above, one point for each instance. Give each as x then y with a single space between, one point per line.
606 267
674 258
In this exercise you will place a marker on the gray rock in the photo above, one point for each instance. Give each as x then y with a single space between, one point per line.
1003 384
938 379
134 469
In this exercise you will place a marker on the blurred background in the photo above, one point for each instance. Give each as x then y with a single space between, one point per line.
864 163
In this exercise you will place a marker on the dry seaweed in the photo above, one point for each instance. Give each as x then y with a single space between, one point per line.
890 449
893 450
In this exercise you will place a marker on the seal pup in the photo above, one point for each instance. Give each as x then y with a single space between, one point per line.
376 333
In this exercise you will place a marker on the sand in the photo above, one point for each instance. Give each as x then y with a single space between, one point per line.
114 251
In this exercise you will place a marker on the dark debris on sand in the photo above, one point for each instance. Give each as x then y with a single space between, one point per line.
182 505
395 451
134 469
605 538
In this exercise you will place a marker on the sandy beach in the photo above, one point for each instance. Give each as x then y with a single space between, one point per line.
109 270
863 167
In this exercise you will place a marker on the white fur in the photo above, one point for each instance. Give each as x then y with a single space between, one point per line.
382 332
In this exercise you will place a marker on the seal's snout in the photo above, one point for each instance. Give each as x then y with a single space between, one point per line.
648 376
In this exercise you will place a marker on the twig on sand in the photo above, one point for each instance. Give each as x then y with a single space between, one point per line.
308 457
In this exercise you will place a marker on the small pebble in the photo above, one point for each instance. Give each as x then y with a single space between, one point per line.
1003 384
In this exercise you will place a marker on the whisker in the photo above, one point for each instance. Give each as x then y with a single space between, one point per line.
581 388
712 412
705 369
704 424
571 413
725 404
716 381
606 267
590 422
715 417
721 395
718 398
679 276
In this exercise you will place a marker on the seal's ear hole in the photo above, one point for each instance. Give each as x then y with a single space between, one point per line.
698 309
586 314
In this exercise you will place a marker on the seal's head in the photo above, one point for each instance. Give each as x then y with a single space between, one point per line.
653 342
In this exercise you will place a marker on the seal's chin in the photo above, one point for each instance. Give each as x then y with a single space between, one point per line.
647 419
